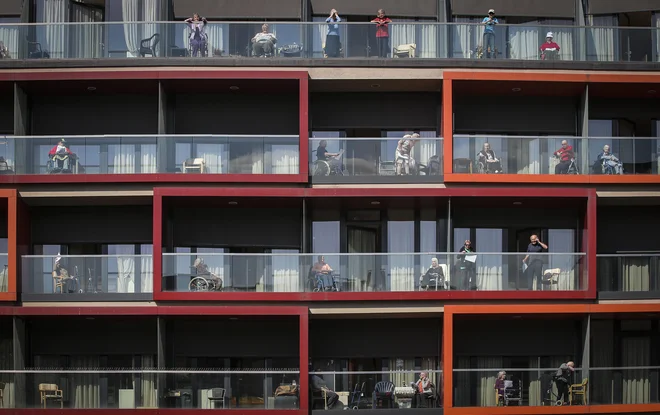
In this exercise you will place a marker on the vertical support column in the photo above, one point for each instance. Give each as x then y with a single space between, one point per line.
19 349
584 112
583 160
13 251
157 248
447 125
165 358
303 106
590 277
442 38
586 350
447 354
21 128
304 361
162 142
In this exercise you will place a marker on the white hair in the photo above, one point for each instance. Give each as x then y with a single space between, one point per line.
434 259
407 136
501 373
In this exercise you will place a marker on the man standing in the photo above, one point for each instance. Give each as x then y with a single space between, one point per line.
489 34
564 378
565 154
534 262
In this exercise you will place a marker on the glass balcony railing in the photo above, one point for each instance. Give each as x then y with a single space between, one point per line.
373 272
546 155
318 40
74 275
4 273
628 272
521 387
375 157
356 389
213 154
624 385
130 389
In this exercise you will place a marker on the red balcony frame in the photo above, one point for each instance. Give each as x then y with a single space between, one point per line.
10 196
539 309
174 74
589 238
530 76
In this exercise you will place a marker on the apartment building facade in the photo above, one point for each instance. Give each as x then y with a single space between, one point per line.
218 231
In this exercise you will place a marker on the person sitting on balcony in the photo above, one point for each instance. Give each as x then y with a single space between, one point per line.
434 276
323 271
4 52
202 270
198 37
402 155
499 383
61 273
534 263
319 386
332 159
263 43
424 390
563 380
488 160
608 162
565 155
550 49
60 156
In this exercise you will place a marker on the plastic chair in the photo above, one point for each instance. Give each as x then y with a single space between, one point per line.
148 46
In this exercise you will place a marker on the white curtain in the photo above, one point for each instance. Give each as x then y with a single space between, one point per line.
149 394
361 267
533 156
134 33
87 38
636 351
4 274
562 241
402 33
124 158
147 274
602 39
213 155
285 159
524 41
85 387
488 368
490 276
468 35
56 11
125 269
216 39
286 275
9 36
564 36
401 239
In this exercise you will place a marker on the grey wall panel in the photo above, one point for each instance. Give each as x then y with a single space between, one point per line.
237 114
375 110
623 228
232 9
101 336
240 338
7 113
416 8
516 115
490 217
247 227
516 337
381 338
93 224
619 6
93 114
560 8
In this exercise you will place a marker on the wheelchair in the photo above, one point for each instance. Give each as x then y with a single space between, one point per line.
332 167
318 282
204 280
511 395
488 168
60 163
203 50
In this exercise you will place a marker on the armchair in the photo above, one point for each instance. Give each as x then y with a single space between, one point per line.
50 391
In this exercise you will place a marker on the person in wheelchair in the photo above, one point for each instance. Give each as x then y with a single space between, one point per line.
550 49
434 277
608 163
566 158
404 160
263 43
327 163
202 270
424 390
60 157
323 275
61 272
198 37
488 161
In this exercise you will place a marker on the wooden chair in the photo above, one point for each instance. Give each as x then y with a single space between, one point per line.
58 283
579 389
50 391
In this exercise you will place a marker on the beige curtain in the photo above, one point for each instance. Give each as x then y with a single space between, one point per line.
636 351
85 386
636 273
6 363
149 395
601 383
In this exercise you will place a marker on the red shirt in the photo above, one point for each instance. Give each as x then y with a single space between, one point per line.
382 29
549 45
565 154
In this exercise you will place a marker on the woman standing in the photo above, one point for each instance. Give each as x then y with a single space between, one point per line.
382 33
197 34
332 43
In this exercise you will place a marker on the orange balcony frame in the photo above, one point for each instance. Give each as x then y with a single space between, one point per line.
11 197
530 309
530 76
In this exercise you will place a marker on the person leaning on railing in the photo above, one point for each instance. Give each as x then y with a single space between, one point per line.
382 33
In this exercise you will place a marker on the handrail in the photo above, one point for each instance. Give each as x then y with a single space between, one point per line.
370 254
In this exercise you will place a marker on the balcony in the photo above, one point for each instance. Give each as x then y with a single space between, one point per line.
629 275
455 41
400 272
87 278
152 155
4 273
375 160
535 155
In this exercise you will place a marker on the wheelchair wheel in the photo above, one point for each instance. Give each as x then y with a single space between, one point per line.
198 284
321 168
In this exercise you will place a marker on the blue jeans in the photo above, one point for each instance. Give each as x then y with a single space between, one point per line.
489 44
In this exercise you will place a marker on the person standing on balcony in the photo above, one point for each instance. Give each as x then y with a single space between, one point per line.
466 267
489 34
198 36
563 379
332 41
565 155
534 262
382 33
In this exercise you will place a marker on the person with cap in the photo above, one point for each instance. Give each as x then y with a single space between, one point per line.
488 46
550 49
59 156
564 378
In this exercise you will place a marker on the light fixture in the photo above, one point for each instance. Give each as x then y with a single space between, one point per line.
375 202
234 88
517 203
233 318
233 203
89 318
651 91
375 85
91 88
516 89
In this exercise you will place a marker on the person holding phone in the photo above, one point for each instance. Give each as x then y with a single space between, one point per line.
534 262
489 34
332 40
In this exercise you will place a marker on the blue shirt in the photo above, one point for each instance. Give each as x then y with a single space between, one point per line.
333 29
490 26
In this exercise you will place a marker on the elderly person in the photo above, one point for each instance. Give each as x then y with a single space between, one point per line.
198 37
403 156
263 43
424 390
202 270
59 156
332 42
609 162
489 160
499 383
382 33
550 49
4 52
434 276
563 379
565 154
